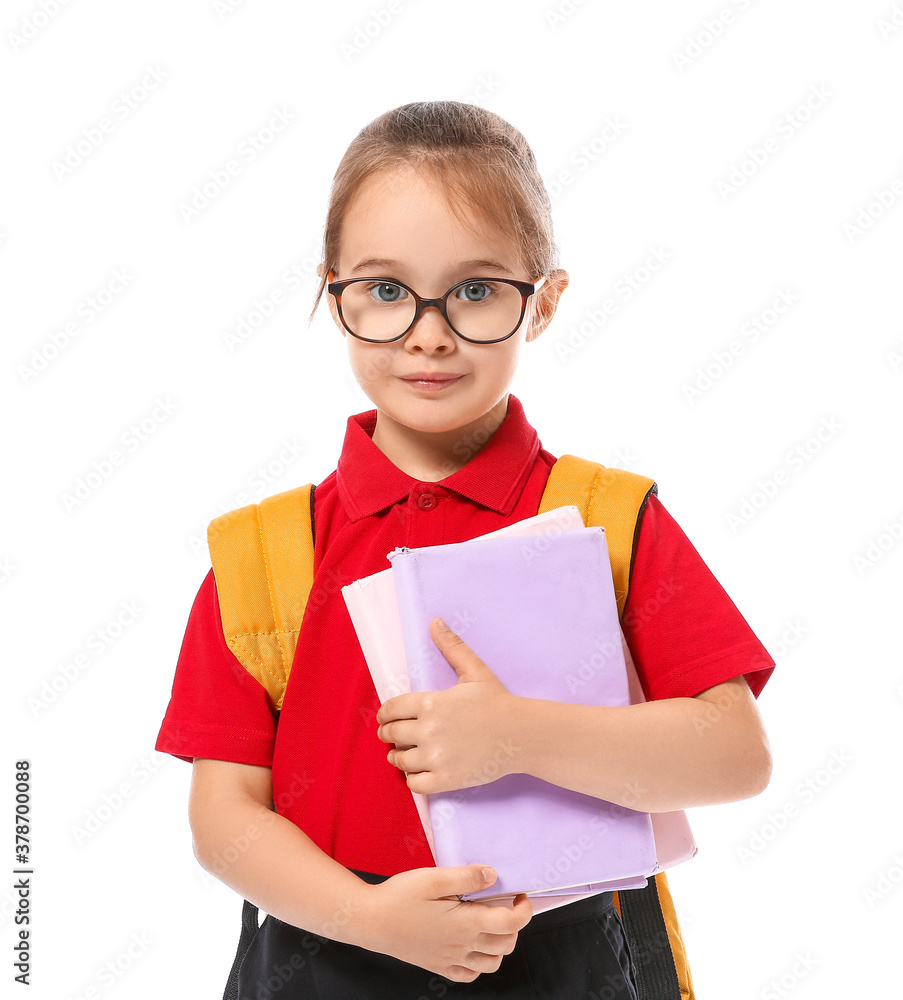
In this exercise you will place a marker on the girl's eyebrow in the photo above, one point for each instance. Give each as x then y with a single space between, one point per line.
376 263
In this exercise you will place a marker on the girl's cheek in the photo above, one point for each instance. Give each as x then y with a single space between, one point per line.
368 366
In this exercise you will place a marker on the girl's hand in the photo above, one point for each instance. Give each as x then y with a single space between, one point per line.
416 916
455 738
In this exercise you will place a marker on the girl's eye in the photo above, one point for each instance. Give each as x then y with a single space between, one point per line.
475 291
386 292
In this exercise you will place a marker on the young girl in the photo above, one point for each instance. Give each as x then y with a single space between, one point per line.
314 821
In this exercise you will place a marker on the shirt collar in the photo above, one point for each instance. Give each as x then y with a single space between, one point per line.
495 477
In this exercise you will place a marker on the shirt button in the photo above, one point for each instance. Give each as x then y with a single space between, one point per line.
426 501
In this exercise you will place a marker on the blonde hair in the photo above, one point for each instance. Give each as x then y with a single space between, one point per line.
479 160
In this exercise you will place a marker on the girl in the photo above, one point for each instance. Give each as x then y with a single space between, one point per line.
314 821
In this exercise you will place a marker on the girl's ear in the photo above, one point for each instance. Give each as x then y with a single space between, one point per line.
335 315
546 302
322 271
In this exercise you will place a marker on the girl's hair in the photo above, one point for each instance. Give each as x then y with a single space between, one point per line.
481 162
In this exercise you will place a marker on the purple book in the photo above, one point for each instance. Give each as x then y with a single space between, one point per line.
540 611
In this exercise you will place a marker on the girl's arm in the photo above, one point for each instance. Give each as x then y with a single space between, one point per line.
274 864
675 753
654 757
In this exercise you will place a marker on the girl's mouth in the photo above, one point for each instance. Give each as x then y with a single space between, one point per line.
432 384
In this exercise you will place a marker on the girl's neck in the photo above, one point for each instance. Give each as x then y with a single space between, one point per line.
430 457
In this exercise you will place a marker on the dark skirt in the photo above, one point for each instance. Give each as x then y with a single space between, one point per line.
574 951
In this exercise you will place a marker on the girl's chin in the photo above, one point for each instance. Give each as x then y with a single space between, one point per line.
427 415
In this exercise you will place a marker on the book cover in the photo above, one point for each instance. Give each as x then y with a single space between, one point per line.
541 612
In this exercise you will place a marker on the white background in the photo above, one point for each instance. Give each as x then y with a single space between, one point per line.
792 892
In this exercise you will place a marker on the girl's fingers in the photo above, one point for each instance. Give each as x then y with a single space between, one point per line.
409 759
497 944
479 961
397 732
524 910
460 974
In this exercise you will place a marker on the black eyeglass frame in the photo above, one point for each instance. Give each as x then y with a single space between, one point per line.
526 289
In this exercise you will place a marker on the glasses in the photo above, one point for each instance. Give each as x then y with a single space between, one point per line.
381 310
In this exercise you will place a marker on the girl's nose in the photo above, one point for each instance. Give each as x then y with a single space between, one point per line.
430 330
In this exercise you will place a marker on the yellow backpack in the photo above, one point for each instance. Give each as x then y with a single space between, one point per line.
263 557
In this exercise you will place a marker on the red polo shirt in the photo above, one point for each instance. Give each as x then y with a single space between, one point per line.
330 773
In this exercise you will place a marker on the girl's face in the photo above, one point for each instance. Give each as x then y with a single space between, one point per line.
398 226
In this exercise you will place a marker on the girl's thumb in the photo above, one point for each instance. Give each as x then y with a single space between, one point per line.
488 876
464 879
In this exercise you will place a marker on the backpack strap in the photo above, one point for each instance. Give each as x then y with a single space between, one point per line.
249 927
608 497
263 563
263 558
658 955
614 498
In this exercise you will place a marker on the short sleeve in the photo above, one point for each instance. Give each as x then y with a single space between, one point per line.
217 709
684 632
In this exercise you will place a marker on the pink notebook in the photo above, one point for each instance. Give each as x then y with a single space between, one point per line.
540 611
